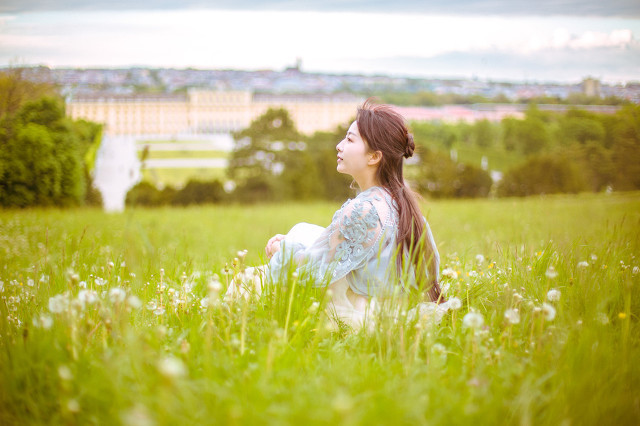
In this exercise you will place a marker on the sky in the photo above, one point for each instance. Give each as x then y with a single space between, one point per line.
517 40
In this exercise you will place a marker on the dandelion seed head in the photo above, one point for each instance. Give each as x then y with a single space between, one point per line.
551 273
65 373
172 367
159 310
43 321
549 311
87 297
635 270
553 295
583 264
134 302
450 273
602 318
479 258
58 303
73 405
137 416
473 320
455 303
512 316
314 308
117 295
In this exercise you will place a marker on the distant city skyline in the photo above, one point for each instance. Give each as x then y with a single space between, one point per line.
509 41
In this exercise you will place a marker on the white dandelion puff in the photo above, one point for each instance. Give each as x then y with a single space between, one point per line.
450 273
455 303
134 302
73 405
99 281
314 308
551 273
583 264
87 297
58 304
553 295
65 373
473 320
602 318
549 311
479 258
512 315
172 367
117 295
43 321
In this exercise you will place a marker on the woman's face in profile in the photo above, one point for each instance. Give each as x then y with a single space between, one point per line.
352 153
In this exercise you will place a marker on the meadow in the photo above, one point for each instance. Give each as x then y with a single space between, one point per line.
120 319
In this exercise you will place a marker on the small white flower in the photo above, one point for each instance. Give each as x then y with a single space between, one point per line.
172 367
635 270
479 258
30 282
82 284
473 274
134 302
214 287
549 311
100 281
551 273
450 273
117 295
455 303
553 295
159 310
593 257
473 320
110 265
58 304
204 302
583 264
512 315
151 305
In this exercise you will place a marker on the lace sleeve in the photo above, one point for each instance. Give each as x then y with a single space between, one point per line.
346 244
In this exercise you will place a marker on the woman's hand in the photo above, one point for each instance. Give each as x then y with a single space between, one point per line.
273 245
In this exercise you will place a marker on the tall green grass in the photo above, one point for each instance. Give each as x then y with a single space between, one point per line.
158 345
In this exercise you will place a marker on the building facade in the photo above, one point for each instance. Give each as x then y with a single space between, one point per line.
202 112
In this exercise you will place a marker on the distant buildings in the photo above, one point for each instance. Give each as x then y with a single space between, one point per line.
201 112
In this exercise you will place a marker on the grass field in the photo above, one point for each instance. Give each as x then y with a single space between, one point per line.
116 319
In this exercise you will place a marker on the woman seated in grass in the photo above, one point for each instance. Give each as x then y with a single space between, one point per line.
376 242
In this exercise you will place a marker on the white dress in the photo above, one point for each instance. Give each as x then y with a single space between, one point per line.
355 255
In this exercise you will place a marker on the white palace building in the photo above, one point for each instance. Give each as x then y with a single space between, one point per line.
207 112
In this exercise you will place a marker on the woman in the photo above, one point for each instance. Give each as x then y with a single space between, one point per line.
375 242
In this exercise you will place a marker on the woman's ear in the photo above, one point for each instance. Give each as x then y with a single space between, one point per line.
375 158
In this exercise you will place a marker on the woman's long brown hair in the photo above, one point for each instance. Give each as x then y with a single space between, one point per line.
384 130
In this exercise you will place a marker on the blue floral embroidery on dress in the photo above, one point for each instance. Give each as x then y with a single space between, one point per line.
357 229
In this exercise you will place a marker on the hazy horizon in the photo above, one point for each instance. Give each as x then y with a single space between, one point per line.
546 42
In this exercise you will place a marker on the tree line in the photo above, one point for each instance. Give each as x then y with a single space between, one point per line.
45 157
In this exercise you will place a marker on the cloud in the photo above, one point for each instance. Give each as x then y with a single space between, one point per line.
620 8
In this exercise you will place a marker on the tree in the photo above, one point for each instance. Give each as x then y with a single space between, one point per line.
270 160
544 174
41 157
